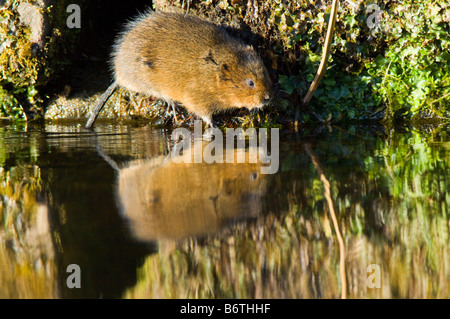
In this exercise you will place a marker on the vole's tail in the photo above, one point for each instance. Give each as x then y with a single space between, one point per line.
109 91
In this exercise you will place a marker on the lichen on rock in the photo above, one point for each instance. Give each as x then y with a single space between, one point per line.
30 54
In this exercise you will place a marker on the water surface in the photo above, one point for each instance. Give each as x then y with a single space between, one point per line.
141 227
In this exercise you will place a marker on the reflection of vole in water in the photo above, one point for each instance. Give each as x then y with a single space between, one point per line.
187 60
167 200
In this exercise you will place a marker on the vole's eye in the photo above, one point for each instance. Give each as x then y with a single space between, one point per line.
251 83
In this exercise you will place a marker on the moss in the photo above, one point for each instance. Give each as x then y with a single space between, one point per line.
26 67
17 66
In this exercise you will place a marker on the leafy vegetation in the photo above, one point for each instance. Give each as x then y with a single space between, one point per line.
413 76
402 63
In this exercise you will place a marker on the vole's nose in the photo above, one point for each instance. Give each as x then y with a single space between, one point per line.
266 97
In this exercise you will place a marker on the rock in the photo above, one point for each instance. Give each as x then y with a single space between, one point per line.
34 17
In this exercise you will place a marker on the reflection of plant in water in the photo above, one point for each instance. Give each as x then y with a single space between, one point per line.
26 250
332 212
397 220
416 172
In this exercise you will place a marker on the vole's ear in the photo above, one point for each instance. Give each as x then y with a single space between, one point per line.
224 72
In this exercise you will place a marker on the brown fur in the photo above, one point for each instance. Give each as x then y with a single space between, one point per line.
190 61
162 199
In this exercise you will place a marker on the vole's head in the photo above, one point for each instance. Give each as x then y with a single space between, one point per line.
243 79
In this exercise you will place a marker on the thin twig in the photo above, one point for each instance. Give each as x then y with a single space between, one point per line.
325 55
322 66
442 97
332 212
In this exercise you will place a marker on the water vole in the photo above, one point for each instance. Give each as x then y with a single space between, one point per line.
183 59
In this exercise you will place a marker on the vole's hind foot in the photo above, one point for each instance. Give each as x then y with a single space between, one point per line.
171 108
210 122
